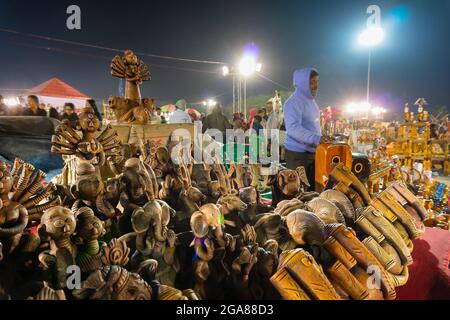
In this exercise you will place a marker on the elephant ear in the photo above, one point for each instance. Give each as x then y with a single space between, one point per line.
166 213
302 175
140 220
199 224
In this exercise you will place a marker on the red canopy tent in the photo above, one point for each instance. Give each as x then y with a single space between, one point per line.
56 93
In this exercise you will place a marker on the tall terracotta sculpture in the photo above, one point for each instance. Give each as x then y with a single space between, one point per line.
133 71
131 108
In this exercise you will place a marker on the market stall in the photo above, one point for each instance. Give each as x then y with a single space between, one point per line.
141 220
56 92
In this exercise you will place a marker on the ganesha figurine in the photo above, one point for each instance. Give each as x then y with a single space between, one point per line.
146 220
154 240
90 192
138 185
211 245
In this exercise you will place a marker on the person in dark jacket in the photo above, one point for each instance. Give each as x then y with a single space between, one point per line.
216 120
91 103
53 113
257 125
69 114
33 108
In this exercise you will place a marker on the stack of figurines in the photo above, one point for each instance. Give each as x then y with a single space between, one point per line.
145 222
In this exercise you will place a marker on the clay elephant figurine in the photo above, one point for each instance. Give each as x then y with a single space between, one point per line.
154 240
287 184
231 207
211 245
298 228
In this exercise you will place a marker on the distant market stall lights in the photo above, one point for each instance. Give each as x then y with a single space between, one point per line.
11 102
364 108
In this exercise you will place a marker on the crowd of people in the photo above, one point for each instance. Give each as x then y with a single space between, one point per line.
300 134
35 108
268 117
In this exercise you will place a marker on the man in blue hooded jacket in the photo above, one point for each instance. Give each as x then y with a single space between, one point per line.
302 121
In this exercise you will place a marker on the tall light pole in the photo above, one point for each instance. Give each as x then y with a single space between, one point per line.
370 37
368 75
245 68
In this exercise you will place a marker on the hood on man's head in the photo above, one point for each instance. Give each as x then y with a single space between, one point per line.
301 81
181 104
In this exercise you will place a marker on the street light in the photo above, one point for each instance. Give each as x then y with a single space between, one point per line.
370 37
209 103
247 66
225 71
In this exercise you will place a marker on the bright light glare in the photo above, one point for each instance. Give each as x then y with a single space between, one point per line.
225 71
351 107
11 102
362 107
258 67
247 65
371 36
378 111
209 103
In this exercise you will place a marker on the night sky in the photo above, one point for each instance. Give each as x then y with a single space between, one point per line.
413 61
